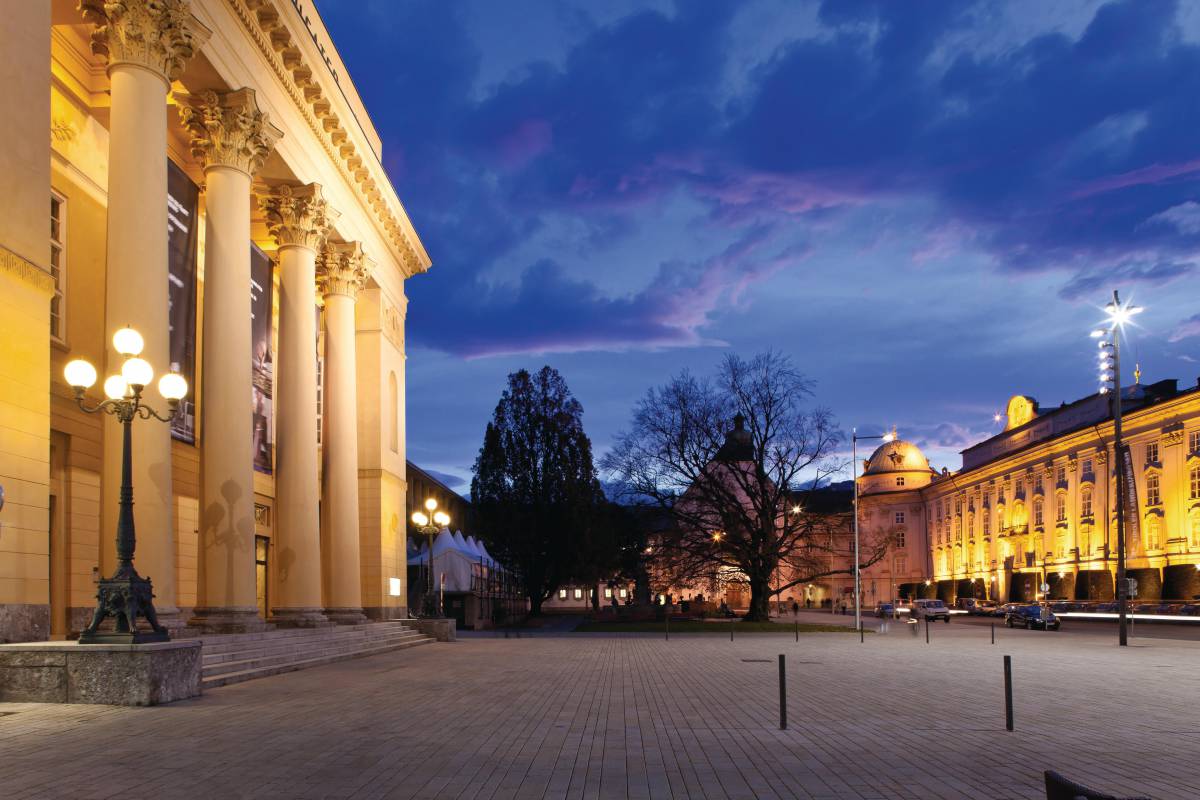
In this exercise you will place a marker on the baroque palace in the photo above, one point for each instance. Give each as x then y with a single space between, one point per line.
1035 504
204 172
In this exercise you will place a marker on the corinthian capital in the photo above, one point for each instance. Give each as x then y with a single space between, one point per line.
227 129
342 269
161 35
298 215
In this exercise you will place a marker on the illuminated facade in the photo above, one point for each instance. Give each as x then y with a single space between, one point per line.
1036 504
205 172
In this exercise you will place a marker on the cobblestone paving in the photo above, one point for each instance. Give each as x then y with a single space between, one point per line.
636 716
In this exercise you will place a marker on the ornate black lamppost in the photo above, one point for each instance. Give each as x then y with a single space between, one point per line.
126 595
429 524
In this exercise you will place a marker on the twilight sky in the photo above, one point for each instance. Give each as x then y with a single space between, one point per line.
924 203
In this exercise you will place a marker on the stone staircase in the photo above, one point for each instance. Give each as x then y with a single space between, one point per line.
232 658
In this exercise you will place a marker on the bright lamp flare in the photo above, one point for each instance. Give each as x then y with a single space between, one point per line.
887 437
173 387
420 519
441 518
80 374
431 504
128 342
1096 334
115 387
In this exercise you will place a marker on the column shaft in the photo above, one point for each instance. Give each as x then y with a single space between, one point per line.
227 599
297 530
136 295
344 603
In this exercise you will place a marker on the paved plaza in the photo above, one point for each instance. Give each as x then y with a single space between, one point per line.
595 716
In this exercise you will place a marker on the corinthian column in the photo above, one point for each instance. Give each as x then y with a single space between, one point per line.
299 220
342 271
232 138
147 43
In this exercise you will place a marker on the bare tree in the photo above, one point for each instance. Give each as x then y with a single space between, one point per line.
733 493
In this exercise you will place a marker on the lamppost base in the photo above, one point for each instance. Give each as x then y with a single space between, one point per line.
124 597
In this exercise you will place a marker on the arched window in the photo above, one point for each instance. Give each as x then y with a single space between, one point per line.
1085 503
1037 512
394 412
1060 506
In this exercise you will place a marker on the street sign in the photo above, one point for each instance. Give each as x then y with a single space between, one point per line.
1132 583
1045 588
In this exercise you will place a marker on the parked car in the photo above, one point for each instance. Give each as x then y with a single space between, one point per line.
982 608
1002 611
885 610
930 609
1029 617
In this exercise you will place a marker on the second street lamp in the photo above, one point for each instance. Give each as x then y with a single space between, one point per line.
429 524
126 595
854 439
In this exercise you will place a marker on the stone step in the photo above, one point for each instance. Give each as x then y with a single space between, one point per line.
270 659
224 679
214 642
217 645
299 651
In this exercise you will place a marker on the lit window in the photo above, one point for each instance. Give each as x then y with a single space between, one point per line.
1085 503
608 592
579 594
562 593
1194 478
1154 533
987 524
58 267
958 530
1194 441
1037 512
900 480
899 520
1195 530
1060 513
1152 453
1153 496
623 593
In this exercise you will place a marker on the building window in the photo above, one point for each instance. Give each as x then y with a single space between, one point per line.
1086 468
899 520
900 480
901 565
623 593
1195 530
899 538
1194 442
1152 453
1060 513
608 592
562 593
1061 475
987 524
1037 513
1037 485
1085 503
1153 495
58 267
958 530
579 593
1154 533
1194 479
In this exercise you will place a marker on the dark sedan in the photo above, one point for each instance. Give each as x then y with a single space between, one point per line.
1032 617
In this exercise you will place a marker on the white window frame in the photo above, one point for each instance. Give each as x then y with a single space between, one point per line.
60 281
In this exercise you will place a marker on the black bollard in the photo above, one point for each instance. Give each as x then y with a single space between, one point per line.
1008 708
782 695
797 631
927 630
861 638
993 633
731 630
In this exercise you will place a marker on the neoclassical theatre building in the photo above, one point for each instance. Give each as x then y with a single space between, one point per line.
204 172
1036 504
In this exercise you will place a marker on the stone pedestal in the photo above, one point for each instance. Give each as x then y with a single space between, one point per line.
444 630
106 674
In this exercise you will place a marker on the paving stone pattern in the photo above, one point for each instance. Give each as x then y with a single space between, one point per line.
636 716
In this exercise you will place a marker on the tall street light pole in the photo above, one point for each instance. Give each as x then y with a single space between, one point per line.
854 439
1110 376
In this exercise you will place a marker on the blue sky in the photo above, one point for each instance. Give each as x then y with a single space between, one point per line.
924 203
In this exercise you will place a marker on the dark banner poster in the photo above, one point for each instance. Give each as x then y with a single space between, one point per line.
183 198
264 361
1133 534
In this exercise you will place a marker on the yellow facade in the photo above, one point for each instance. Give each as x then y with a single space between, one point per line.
1035 505
59 171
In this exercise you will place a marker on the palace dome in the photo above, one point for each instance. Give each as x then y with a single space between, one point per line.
896 456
